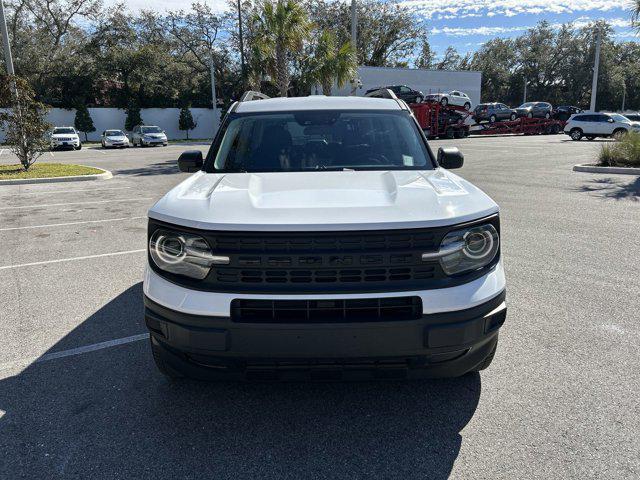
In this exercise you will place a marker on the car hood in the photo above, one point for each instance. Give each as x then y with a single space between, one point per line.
522 109
116 137
307 201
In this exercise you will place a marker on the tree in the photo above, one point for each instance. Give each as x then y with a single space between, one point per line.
635 14
24 123
186 122
83 121
331 63
133 117
282 27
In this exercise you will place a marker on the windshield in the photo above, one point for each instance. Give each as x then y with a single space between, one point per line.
620 118
64 130
114 133
150 130
526 105
321 140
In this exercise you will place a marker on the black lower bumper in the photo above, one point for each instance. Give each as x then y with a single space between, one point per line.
436 345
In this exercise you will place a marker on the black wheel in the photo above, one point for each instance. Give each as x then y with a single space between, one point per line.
555 129
513 117
487 361
467 106
547 115
444 102
618 134
529 115
418 99
492 119
161 363
575 134
79 147
459 133
450 133
591 137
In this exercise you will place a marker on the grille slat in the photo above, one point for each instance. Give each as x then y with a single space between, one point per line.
326 311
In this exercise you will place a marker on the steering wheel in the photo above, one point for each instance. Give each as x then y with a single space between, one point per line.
376 158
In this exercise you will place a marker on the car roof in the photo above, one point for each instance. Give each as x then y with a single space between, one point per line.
317 102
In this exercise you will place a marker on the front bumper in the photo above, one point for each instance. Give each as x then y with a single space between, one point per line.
65 144
438 344
154 141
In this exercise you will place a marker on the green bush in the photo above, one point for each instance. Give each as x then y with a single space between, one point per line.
625 153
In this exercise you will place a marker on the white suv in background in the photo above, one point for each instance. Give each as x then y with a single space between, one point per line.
322 237
454 97
148 135
592 125
65 137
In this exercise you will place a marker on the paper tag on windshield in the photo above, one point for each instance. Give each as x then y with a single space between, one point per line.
407 160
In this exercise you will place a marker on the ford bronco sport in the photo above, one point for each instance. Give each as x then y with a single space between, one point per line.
321 238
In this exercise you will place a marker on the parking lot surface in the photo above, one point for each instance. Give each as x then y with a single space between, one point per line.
80 396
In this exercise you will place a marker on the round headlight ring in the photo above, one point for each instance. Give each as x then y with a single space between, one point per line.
170 249
478 243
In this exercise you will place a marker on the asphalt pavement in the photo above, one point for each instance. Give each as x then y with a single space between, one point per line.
80 396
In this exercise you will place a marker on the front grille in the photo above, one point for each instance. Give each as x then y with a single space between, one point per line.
326 311
323 262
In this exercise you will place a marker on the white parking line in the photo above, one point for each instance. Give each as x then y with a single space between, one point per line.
70 223
74 351
72 259
40 205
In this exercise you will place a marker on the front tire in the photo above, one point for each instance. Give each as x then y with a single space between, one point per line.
492 119
591 137
575 134
79 147
444 102
618 134
547 115
529 115
418 99
513 117
467 106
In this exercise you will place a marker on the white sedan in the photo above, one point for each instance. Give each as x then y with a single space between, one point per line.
114 139
454 97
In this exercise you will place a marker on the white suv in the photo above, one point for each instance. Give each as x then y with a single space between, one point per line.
592 125
454 97
320 237
65 137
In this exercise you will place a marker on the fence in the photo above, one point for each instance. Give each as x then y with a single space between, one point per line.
207 121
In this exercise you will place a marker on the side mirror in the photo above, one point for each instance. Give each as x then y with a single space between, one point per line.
450 157
190 161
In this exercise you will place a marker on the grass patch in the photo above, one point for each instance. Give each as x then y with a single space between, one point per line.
625 153
45 170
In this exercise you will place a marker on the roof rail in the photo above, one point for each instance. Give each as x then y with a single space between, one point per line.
382 93
250 95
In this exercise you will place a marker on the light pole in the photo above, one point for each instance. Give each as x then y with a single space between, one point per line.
354 44
240 38
5 41
524 100
596 65
213 87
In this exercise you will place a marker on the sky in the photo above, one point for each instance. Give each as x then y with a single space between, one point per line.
467 24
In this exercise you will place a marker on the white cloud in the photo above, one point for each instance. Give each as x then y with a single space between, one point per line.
428 8
493 31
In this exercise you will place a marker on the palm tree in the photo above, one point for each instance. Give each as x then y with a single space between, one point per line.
282 28
635 14
332 64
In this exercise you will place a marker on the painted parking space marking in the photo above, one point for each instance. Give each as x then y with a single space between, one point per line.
43 192
93 202
72 259
74 351
30 227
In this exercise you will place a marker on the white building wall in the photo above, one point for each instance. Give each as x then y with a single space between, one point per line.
426 81
207 121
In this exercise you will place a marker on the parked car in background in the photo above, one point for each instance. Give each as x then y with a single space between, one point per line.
454 97
564 112
535 110
114 139
592 125
493 112
65 137
403 92
634 117
148 135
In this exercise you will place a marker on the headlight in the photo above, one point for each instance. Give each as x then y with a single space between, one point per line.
466 249
183 254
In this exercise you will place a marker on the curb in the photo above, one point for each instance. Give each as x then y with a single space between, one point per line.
614 170
105 175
